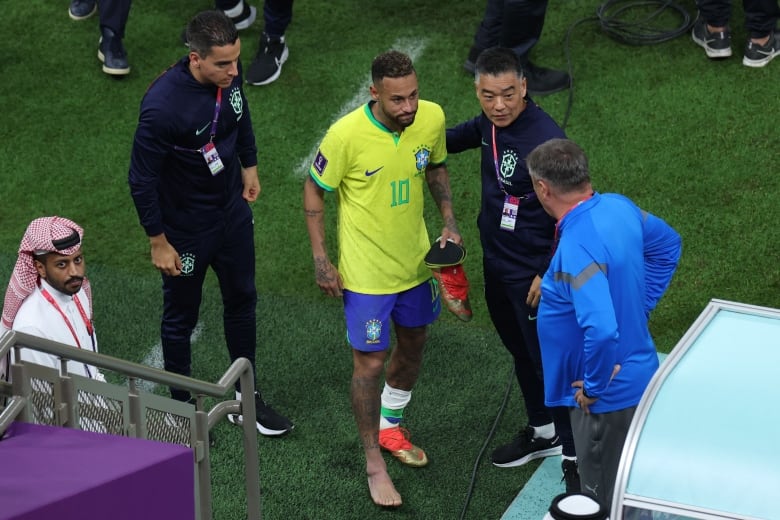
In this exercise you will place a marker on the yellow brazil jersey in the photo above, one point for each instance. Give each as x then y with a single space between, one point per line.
379 177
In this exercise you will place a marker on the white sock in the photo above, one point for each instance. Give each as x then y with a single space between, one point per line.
393 403
545 432
566 457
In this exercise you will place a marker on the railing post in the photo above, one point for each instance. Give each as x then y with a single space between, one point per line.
247 385
134 408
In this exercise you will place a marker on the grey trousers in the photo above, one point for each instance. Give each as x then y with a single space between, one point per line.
599 439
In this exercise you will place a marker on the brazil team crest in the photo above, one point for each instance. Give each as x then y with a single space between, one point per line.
373 331
508 163
237 102
422 156
187 264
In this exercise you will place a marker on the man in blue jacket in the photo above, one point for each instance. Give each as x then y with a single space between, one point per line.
516 236
612 263
193 171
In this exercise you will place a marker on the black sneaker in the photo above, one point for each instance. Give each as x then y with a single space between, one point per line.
82 9
525 448
759 55
246 18
571 476
716 44
267 65
269 422
542 81
112 53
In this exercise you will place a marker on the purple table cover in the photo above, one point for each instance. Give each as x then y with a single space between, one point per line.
62 473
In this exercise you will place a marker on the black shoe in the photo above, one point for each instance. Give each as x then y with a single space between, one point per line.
525 448
471 62
571 476
82 9
246 18
267 65
715 44
543 81
759 55
269 422
112 53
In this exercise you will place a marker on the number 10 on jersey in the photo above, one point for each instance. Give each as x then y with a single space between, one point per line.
400 190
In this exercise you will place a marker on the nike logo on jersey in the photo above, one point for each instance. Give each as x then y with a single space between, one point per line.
531 318
484 143
198 132
372 172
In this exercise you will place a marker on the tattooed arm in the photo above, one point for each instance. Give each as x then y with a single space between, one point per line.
326 274
439 185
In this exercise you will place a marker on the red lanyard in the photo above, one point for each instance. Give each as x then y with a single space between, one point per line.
216 114
87 321
495 162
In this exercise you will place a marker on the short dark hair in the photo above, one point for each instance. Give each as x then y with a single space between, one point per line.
498 60
391 64
210 29
560 162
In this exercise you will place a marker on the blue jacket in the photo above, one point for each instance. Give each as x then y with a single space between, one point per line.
171 184
513 256
611 266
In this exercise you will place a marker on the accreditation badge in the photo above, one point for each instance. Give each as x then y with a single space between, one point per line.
211 156
509 214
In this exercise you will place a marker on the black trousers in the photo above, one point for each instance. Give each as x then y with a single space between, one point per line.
229 250
516 24
760 15
515 322
113 14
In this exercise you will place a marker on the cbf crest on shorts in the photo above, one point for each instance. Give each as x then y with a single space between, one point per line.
373 331
237 102
422 155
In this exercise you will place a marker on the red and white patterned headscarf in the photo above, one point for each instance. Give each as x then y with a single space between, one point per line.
43 235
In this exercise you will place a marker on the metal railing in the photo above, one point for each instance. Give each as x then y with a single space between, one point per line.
43 395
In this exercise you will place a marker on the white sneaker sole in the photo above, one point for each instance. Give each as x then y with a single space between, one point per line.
238 420
249 20
113 72
549 452
79 18
275 75
747 62
710 52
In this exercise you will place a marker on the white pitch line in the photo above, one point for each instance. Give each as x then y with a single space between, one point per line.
412 47
154 358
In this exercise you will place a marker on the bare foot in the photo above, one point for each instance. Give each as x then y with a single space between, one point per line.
382 490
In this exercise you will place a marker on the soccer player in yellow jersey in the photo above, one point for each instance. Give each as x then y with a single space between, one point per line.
377 159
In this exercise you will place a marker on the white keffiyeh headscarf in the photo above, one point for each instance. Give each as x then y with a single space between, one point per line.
43 235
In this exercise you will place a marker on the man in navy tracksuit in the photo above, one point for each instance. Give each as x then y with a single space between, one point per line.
193 170
611 265
516 236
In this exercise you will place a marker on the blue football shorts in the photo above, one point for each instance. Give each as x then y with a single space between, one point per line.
368 315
